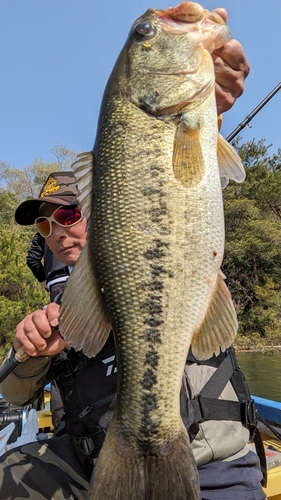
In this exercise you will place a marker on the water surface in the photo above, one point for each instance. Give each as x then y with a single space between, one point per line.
263 373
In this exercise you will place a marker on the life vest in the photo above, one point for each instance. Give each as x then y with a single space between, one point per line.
206 405
87 388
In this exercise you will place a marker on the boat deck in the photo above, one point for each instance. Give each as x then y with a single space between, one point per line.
273 490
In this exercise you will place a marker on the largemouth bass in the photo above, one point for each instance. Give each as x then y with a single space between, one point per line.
150 271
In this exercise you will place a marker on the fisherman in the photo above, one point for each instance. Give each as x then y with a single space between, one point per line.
51 274
61 467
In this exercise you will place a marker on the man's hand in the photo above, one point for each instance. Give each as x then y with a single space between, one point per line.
231 69
37 333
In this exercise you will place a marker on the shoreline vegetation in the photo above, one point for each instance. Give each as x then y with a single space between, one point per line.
255 343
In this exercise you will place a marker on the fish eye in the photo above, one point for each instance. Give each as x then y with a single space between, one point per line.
145 29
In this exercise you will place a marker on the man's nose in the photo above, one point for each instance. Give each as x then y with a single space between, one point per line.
58 231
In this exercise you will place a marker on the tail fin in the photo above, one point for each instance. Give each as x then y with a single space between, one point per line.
121 474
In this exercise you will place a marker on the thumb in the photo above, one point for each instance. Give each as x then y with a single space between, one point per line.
223 13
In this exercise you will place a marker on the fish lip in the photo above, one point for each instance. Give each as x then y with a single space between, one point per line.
178 15
185 12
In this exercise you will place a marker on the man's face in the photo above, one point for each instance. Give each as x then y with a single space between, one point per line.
65 242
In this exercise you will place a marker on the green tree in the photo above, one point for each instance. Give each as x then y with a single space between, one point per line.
20 294
253 243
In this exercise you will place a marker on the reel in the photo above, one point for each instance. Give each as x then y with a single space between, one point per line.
10 413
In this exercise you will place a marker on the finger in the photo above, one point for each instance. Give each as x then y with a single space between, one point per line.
28 336
55 344
230 80
224 98
41 323
233 55
52 312
223 13
229 86
21 339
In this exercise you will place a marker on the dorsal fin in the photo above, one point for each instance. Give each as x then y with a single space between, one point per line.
83 169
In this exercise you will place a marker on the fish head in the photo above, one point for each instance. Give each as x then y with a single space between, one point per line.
166 63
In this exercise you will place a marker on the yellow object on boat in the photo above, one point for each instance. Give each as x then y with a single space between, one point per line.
44 415
273 490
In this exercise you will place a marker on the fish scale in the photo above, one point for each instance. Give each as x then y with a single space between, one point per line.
134 246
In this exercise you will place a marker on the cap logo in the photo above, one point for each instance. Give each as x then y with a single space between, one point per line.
50 187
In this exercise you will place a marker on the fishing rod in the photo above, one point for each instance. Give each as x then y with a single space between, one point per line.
272 429
19 357
253 113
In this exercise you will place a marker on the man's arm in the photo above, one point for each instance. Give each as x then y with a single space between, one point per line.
25 383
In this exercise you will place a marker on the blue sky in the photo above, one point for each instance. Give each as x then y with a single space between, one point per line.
56 56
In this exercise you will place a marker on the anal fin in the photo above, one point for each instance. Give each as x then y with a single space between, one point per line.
84 171
220 325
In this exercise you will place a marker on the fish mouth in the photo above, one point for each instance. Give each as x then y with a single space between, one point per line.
190 17
189 13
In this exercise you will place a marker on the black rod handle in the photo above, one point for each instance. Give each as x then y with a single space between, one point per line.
19 357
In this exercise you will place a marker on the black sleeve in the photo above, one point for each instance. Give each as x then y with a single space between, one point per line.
34 257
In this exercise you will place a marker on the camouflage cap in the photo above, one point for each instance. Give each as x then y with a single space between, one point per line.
60 188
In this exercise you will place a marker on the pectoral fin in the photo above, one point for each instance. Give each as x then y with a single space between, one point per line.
230 165
219 328
188 162
83 321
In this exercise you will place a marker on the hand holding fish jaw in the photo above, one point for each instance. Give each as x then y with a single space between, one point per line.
231 69
37 335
